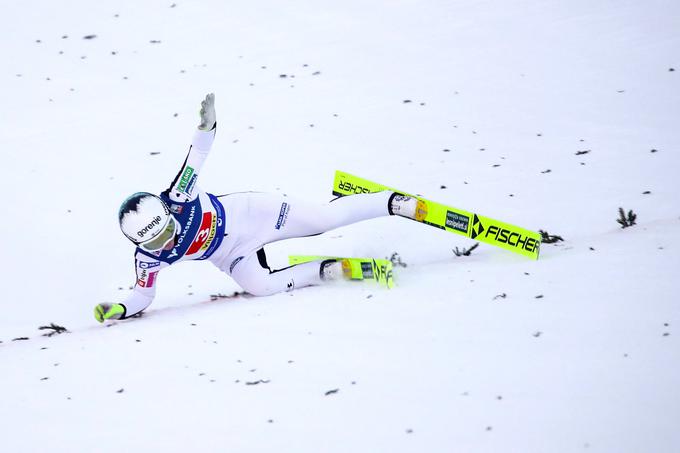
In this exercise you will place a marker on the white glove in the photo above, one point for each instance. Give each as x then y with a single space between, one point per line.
208 116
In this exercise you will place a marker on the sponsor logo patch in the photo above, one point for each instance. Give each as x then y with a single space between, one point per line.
505 236
156 221
142 276
189 221
145 265
234 263
346 186
205 231
185 178
380 272
367 269
192 183
152 279
477 227
283 216
176 208
213 230
146 280
456 221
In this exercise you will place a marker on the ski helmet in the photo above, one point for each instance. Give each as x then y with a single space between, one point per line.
144 217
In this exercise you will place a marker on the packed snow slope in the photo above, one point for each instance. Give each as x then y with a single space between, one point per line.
547 114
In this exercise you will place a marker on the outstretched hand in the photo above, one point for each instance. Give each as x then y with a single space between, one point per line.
208 116
106 311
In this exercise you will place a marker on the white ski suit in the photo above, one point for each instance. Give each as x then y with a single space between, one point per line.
231 230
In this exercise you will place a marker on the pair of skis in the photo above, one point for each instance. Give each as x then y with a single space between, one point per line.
469 224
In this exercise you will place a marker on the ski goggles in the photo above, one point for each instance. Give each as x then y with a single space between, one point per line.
160 241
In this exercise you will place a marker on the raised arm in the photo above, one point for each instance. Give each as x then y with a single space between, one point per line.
182 188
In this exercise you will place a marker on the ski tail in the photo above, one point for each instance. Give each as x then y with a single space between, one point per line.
469 224
379 270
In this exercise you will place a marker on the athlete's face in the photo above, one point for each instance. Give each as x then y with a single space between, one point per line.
165 240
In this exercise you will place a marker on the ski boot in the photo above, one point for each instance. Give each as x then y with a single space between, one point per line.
409 207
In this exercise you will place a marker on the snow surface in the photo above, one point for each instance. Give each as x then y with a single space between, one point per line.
578 351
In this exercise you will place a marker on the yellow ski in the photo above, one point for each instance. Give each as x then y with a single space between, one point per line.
376 269
466 223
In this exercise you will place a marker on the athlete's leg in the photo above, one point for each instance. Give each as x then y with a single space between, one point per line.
254 276
285 218
256 219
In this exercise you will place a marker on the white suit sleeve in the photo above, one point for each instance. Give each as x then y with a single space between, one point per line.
144 291
136 302
183 188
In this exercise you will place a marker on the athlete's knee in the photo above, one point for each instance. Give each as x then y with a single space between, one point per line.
258 281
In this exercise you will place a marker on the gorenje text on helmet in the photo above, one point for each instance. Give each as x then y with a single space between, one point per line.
156 220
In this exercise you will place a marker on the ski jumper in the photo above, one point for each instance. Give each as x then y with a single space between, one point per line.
231 230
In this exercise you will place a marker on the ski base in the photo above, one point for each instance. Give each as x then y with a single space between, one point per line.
379 270
474 226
